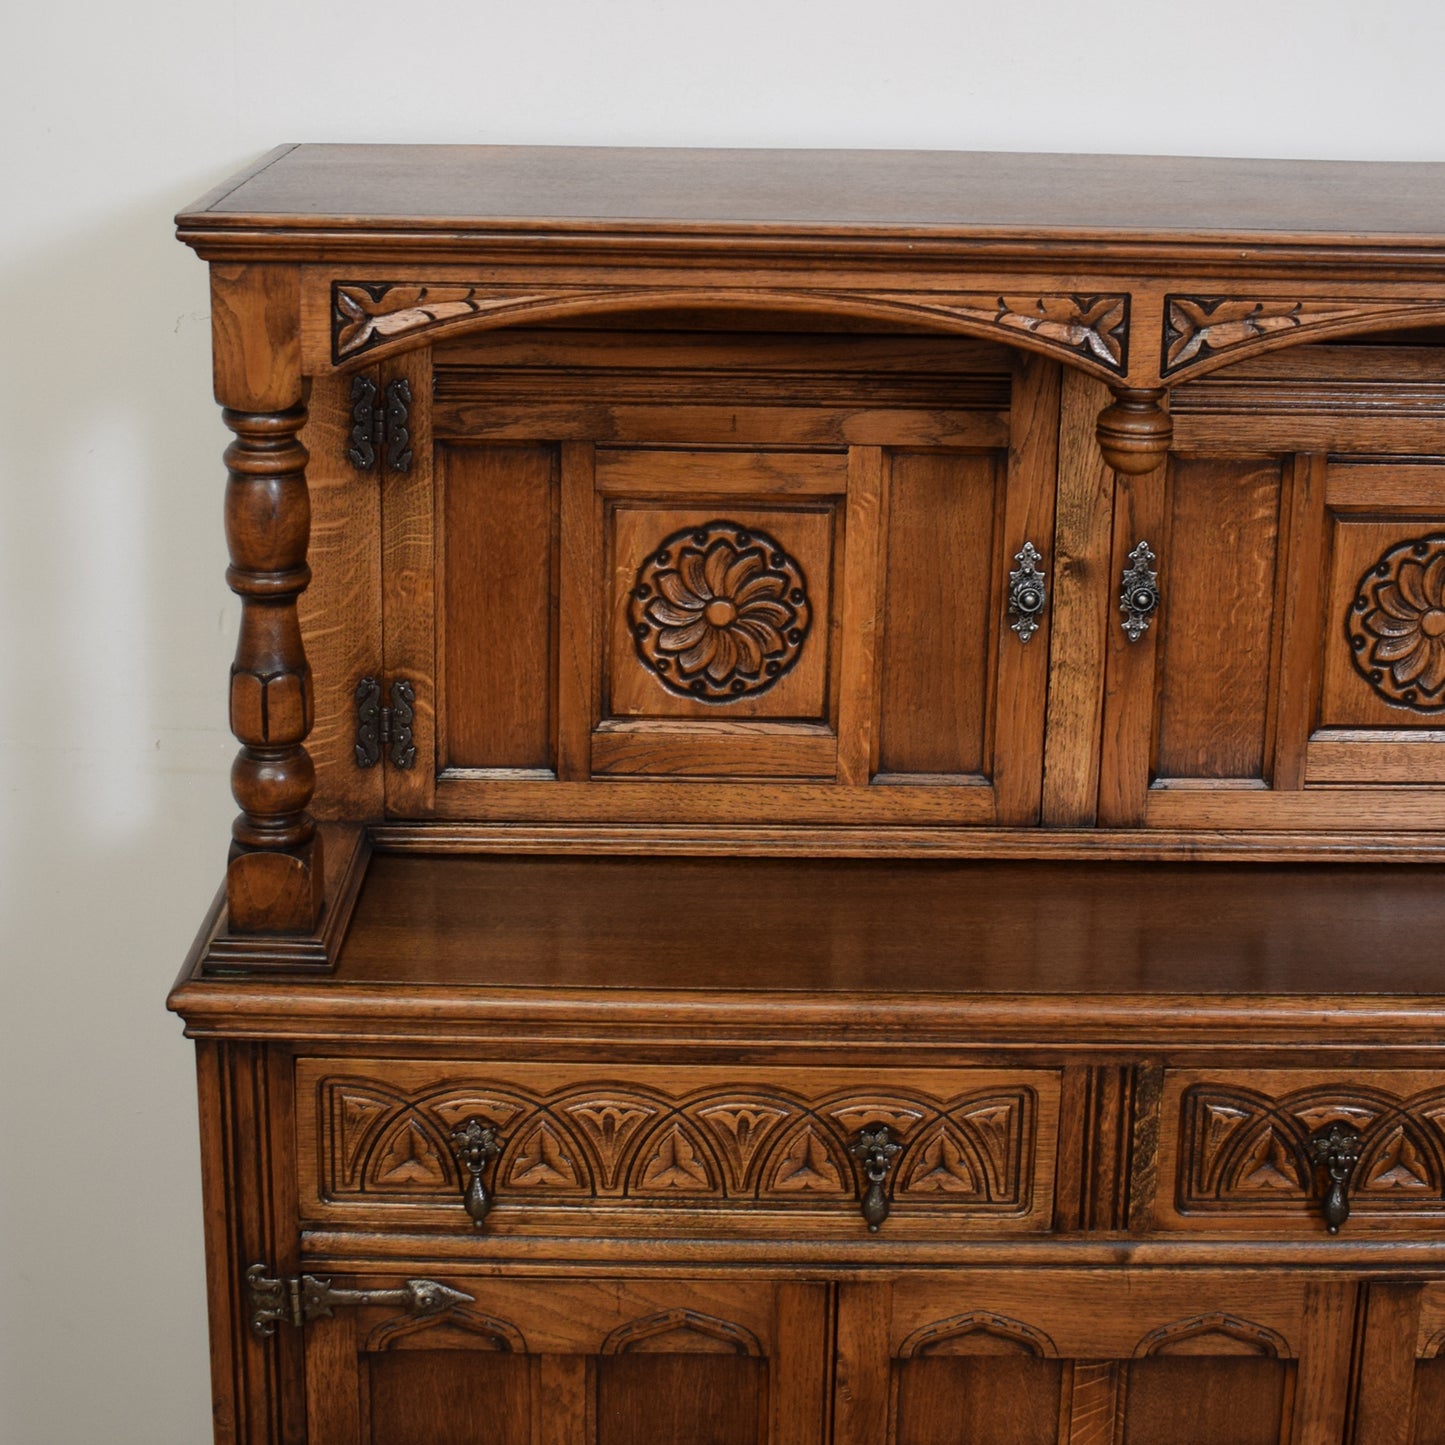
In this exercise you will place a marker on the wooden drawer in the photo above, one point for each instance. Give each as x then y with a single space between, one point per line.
651 1148
1236 1153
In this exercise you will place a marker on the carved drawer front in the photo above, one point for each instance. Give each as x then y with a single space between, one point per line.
1277 1149
517 1148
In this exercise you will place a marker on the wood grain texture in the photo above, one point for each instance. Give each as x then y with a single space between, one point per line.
861 619
498 581
1080 614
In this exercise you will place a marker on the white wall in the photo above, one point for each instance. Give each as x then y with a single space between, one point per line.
117 628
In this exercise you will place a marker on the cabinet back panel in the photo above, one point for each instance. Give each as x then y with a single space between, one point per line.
941 515
499 509
1217 576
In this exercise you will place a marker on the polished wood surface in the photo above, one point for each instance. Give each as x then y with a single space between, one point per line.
803 971
898 927
904 191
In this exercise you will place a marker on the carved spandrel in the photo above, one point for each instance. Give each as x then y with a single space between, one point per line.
1089 330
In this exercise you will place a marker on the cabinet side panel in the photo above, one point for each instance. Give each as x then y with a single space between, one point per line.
935 636
1218 579
499 510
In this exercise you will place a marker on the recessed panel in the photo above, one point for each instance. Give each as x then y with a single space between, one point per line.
720 610
1217 576
499 510
942 513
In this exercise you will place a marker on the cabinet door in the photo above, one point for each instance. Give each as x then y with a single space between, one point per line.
762 578
1296 655
578 1362
1402 1369
1037 1358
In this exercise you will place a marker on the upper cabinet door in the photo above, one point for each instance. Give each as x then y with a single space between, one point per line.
712 577
1276 652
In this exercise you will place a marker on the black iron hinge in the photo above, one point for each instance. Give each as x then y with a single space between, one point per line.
380 424
299 1299
388 728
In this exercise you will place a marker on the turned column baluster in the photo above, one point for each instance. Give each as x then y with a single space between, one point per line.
274 880
1136 431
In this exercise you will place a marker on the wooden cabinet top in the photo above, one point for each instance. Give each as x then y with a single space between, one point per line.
790 195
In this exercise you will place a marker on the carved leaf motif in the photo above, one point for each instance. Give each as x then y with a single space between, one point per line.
741 1129
804 1164
1399 1165
540 1161
357 1117
1095 325
611 1125
408 1159
364 318
853 1117
1396 625
676 1164
457 1108
941 1167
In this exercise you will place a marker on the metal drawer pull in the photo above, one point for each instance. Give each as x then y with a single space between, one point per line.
1336 1149
875 1149
474 1144
1027 592
1139 598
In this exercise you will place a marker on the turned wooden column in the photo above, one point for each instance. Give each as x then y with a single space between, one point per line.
274 877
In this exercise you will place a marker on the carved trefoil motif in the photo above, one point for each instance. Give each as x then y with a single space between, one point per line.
634 1143
719 612
1396 624
1245 1151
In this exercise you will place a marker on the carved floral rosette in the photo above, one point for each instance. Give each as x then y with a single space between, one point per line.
1396 624
719 612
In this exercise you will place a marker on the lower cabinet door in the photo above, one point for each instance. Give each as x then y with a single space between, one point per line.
536 1361
1068 1357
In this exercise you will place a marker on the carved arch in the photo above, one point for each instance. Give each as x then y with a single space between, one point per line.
989 1334
1227 1334
689 1332
374 319
482 1331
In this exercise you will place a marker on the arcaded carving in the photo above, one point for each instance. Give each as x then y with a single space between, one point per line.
634 1142
1396 624
1242 1149
978 1332
706 1334
1229 1334
719 612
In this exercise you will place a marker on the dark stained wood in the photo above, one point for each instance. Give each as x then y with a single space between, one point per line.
978 1400
1180 1402
440 1397
338 186
680 1400
499 509
900 926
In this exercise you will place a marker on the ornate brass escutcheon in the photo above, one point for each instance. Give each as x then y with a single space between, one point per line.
1336 1149
875 1149
475 1143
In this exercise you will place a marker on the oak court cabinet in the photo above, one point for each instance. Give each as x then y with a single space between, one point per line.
842 800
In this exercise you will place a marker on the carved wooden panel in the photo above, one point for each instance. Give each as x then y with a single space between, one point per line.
1235 1151
606 1362
991 1358
975 1143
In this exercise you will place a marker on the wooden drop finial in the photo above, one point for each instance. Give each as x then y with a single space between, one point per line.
1135 432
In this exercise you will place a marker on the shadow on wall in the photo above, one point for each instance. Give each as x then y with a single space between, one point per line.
118 632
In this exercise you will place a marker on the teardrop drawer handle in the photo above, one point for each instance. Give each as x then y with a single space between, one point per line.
875 1150
1028 592
1139 597
1336 1149
475 1144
